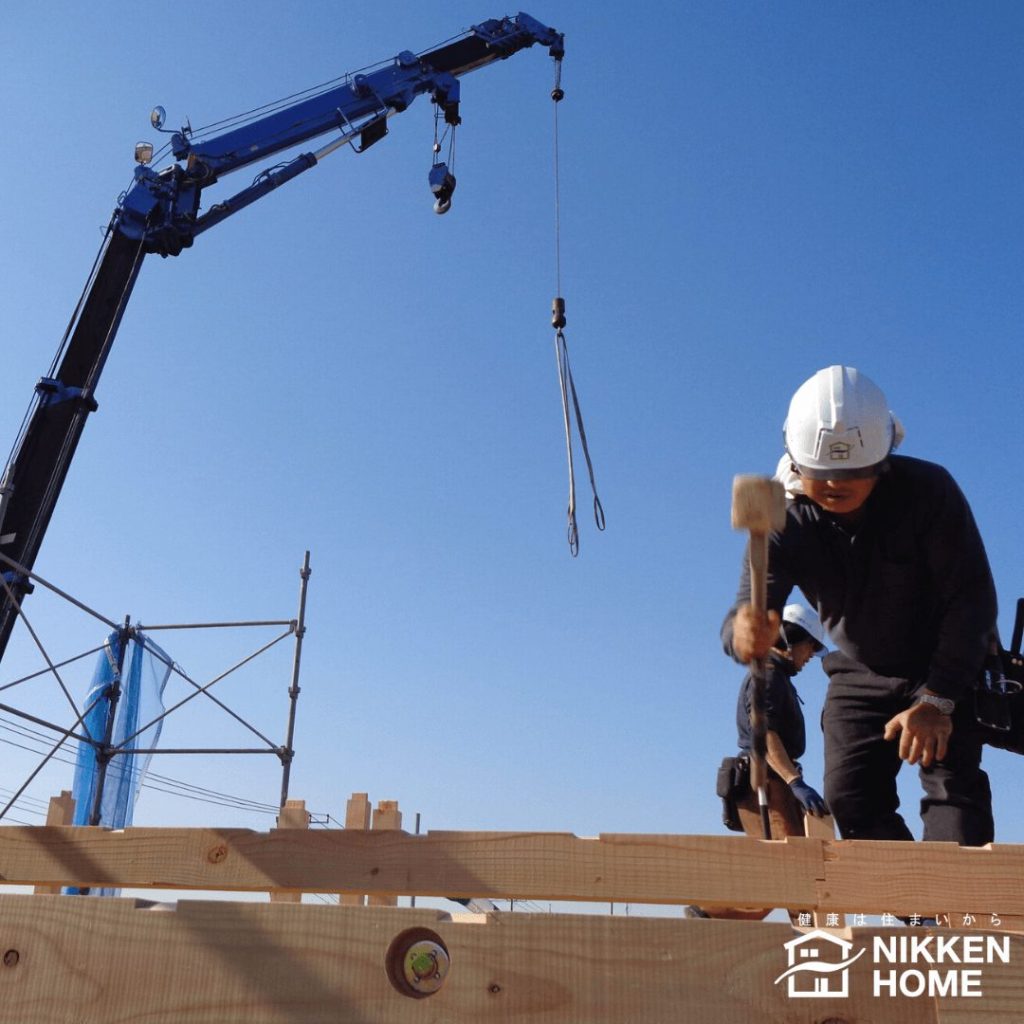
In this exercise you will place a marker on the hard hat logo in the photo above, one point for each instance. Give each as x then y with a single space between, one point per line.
839 451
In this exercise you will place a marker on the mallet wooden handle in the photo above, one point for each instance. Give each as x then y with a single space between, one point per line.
758 558
759 506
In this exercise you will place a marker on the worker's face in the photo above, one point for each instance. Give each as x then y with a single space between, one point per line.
840 497
801 652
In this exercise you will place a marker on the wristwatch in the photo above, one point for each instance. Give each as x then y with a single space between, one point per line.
943 704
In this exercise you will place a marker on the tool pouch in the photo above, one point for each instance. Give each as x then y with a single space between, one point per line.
999 691
999 702
733 782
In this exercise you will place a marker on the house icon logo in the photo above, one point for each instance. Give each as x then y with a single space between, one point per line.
818 966
839 451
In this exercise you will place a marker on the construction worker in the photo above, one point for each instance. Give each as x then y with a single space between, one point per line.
886 549
800 639
789 796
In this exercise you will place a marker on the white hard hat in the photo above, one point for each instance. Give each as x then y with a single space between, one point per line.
803 617
839 425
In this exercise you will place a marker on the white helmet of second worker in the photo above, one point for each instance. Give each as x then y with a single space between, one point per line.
806 622
839 426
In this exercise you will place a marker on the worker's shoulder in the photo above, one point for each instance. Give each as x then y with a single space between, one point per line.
907 471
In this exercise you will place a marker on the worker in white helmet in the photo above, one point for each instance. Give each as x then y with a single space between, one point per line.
886 549
800 639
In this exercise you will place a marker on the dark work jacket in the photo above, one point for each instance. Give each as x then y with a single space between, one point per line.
907 592
782 711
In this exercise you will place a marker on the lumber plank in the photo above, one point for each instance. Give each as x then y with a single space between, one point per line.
292 815
923 878
810 874
385 816
219 962
61 811
523 865
357 816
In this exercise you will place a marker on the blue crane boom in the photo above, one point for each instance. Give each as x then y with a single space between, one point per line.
162 213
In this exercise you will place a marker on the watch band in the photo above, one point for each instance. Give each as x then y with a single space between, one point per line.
943 704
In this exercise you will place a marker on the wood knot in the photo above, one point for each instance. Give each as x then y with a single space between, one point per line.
11 958
217 853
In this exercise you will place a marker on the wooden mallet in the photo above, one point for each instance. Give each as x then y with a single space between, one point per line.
758 506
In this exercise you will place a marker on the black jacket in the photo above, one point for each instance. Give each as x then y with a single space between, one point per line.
907 593
782 711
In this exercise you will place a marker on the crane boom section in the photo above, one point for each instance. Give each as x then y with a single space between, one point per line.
392 87
160 213
162 208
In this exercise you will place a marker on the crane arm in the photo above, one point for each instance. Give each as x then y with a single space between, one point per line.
163 207
160 213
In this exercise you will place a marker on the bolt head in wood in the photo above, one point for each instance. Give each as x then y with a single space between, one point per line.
417 963
426 966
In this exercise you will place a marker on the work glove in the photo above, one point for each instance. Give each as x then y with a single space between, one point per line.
810 799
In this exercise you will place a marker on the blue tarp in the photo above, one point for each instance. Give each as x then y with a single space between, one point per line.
145 671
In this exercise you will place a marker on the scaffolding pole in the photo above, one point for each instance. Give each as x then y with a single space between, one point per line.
293 693
104 750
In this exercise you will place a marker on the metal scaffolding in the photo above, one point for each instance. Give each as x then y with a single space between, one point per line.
103 746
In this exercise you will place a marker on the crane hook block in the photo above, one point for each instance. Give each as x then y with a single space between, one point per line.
558 313
442 184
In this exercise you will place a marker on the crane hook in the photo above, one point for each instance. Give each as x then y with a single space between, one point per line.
442 184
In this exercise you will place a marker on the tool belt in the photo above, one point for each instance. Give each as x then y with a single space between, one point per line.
999 702
999 691
733 782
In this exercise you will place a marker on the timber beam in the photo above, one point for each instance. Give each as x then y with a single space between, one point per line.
802 873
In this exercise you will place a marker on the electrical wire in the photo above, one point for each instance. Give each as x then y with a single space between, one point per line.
153 780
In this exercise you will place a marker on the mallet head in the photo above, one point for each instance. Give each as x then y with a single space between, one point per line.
758 504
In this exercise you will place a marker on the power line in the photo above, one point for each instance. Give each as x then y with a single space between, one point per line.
154 781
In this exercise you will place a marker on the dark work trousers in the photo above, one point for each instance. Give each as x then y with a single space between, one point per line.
861 767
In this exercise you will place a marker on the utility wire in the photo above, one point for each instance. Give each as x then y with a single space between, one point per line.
153 780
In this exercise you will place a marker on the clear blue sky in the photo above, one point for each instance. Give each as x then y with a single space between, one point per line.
749 192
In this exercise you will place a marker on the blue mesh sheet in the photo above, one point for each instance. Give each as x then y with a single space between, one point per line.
146 669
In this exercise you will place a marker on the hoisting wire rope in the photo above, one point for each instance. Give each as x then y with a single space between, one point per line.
565 381
439 140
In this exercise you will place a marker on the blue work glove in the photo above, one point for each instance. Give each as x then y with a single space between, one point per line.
810 799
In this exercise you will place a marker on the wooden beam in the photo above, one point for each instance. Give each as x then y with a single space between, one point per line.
217 962
801 873
293 815
357 817
924 878
61 811
822 828
524 865
386 816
